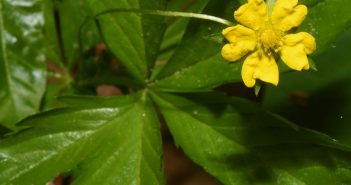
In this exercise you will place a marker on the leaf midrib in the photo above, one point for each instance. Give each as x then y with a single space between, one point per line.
141 143
207 127
274 169
6 62
94 131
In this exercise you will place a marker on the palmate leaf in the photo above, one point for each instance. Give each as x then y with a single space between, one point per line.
22 69
239 143
197 65
134 38
103 141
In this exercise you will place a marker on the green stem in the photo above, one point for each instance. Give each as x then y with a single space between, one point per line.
151 12
167 14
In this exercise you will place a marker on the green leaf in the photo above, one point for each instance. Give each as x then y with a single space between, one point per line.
309 3
176 26
22 69
326 20
56 58
3 131
92 102
133 38
63 22
239 143
194 60
71 17
50 33
242 1
197 64
199 78
196 47
322 99
114 140
102 68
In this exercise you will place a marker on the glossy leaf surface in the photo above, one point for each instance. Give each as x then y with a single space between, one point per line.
199 78
197 45
326 20
202 41
64 20
322 99
71 16
239 143
176 26
106 141
22 69
134 38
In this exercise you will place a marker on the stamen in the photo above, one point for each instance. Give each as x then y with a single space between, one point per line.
269 39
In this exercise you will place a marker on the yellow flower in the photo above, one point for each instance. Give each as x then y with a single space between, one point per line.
261 36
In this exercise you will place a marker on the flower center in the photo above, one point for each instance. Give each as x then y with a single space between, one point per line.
269 39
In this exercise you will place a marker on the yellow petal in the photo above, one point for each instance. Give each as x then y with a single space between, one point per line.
259 66
252 14
241 41
295 49
238 32
287 14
